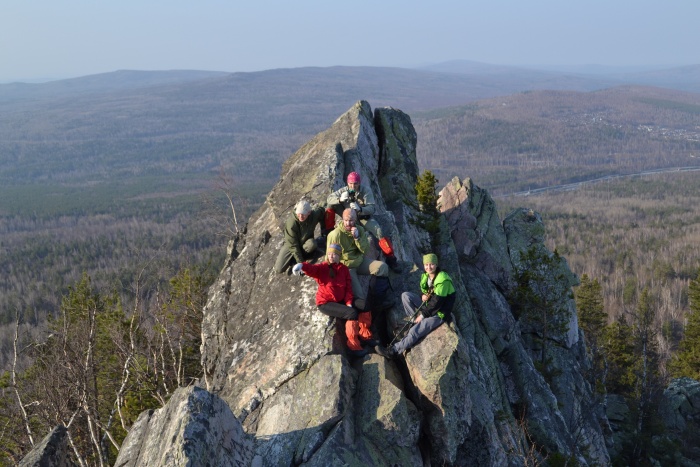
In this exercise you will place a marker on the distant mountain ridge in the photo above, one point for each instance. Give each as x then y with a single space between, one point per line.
103 82
683 78
686 78
135 123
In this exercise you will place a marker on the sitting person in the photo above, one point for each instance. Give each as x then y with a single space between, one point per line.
360 198
353 240
334 298
433 307
299 242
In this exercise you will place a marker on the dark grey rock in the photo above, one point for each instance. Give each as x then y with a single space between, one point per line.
195 427
52 451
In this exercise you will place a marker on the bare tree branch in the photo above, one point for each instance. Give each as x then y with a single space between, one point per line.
25 418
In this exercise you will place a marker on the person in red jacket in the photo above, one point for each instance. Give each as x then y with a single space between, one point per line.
334 298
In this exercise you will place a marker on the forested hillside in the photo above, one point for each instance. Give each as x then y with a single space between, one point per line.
630 234
543 138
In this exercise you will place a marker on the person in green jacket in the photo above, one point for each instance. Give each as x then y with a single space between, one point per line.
433 307
299 242
353 239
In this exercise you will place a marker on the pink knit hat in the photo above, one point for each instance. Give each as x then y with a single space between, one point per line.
353 177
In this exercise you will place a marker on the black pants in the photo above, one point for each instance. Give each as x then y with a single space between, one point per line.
340 310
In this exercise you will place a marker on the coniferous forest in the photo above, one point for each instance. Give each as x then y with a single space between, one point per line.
114 220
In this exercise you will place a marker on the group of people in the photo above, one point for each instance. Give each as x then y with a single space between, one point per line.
339 293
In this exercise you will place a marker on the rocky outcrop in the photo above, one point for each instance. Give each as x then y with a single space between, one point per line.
680 412
468 394
52 451
194 428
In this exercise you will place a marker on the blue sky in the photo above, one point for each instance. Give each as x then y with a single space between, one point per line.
53 39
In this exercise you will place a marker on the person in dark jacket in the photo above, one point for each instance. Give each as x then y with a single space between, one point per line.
433 307
334 298
299 242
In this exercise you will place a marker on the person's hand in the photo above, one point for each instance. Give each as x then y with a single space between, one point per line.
355 233
296 270
425 297
344 196
355 206
419 319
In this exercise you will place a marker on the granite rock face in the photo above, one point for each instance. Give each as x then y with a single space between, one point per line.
195 427
52 451
468 394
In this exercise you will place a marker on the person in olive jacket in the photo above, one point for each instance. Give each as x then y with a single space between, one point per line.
354 242
433 307
299 241
360 198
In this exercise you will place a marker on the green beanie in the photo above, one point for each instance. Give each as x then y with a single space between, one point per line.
430 258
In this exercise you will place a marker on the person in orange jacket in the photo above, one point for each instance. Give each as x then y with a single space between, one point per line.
334 298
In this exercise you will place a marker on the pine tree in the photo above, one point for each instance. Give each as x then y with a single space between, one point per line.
618 350
179 319
426 193
592 317
648 384
687 361
538 299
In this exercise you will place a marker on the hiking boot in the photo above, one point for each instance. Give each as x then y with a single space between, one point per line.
393 263
386 352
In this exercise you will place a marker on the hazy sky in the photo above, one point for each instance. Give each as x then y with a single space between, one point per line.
51 39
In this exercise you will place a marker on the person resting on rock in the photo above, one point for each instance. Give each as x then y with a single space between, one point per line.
299 241
360 198
334 298
433 307
354 242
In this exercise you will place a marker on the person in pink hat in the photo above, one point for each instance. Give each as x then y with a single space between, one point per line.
360 198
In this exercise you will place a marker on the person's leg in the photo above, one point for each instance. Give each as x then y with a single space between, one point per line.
320 244
373 227
284 258
309 246
417 333
379 268
357 291
338 310
387 248
363 268
374 267
352 332
411 302
364 318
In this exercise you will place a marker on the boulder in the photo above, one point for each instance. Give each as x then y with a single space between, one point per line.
52 451
194 428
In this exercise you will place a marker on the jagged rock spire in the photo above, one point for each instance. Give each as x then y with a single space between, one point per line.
468 394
